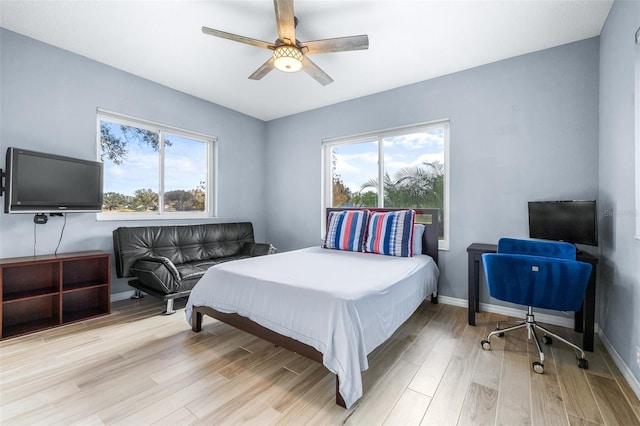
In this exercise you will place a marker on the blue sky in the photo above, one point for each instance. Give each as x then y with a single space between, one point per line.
358 162
185 163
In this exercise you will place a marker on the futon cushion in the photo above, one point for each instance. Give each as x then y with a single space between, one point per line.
391 233
160 274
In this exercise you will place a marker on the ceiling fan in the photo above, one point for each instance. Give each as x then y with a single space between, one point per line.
290 54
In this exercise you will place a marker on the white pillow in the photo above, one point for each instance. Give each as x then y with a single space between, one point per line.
418 230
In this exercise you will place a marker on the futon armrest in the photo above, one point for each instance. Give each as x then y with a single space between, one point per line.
257 249
158 273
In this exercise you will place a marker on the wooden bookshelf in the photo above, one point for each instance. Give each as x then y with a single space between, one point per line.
40 292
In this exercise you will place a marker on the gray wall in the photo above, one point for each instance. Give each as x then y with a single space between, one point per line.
619 281
49 101
521 129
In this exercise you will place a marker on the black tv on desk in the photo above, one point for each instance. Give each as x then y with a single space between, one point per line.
571 221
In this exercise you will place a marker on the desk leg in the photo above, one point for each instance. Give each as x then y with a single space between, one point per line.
472 292
589 312
476 273
578 319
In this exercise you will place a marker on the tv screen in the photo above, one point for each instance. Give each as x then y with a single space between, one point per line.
37 182
571 221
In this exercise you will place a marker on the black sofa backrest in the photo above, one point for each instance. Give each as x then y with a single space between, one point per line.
179 243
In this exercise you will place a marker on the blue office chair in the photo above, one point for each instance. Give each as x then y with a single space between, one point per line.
539 274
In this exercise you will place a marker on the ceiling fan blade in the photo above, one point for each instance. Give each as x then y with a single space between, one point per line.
340 44
263 70
285 20
238 38
314 71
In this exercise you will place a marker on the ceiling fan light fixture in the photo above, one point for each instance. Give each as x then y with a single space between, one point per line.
287 58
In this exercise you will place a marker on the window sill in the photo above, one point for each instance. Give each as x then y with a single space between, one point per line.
106 217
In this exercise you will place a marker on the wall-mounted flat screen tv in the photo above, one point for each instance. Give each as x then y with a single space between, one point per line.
37 182
571 221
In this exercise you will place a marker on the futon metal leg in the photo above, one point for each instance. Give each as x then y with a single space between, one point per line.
434 297
137 294
169 310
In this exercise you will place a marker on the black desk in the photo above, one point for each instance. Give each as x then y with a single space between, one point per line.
584 318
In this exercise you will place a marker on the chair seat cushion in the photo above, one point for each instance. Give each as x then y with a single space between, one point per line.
193 271
161 275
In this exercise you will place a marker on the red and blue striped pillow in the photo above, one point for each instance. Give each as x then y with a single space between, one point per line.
345 230
391 233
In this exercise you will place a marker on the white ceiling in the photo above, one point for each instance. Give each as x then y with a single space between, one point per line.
409 41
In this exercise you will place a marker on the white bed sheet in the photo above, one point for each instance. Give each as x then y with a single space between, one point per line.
343 304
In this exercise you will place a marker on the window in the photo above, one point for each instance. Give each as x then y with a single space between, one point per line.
405 167
154 171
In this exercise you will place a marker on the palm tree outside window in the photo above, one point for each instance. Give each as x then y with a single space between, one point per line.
395 168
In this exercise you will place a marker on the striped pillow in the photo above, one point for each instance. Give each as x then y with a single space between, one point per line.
345 230
391 233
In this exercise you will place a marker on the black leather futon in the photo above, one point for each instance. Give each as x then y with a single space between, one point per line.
168 261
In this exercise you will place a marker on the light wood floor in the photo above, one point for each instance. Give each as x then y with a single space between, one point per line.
136 367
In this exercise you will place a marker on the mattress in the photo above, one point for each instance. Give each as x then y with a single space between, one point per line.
344 304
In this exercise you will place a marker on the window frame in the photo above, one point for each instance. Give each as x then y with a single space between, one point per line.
379 136
637 133
211 165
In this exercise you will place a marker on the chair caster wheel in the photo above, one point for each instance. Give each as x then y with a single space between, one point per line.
500 334
486 345
583 363
547 340
538 367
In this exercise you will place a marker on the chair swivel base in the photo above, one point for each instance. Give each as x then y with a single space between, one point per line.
531 325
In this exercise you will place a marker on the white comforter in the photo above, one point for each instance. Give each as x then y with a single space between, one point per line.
344 304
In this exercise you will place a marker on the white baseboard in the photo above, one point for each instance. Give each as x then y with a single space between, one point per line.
122 296
624 368
512 312
554 320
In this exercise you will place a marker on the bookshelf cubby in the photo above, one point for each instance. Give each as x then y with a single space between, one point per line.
40 292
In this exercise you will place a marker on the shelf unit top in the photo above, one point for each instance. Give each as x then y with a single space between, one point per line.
25 260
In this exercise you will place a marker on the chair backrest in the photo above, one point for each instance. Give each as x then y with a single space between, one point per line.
537 280
554 249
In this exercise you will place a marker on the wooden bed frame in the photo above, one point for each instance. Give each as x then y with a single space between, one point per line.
429 217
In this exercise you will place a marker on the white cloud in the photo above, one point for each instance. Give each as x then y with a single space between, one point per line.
392 164
355 162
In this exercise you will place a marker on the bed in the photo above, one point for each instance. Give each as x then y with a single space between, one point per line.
331 306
